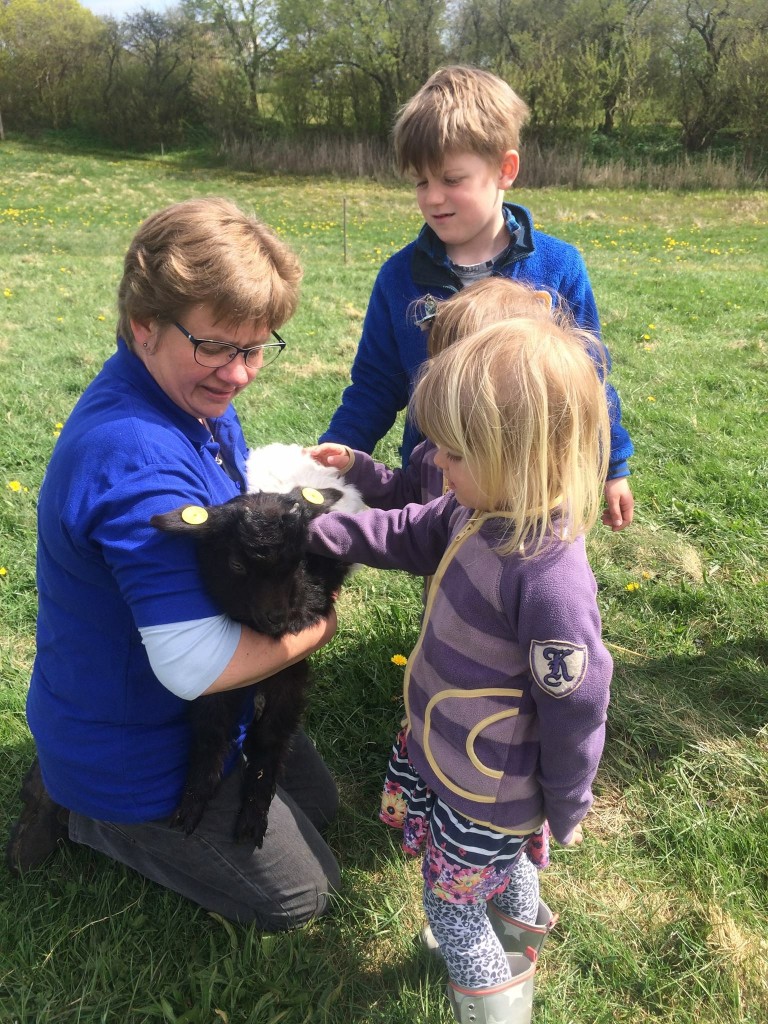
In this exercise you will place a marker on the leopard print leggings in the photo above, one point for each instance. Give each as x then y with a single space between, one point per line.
472 952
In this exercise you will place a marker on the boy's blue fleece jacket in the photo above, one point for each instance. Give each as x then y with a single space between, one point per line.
393 346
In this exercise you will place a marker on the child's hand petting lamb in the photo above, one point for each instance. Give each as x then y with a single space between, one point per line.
335 456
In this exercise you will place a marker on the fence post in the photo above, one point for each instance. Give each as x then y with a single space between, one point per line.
344 225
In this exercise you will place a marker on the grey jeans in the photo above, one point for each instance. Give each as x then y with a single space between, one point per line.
284 884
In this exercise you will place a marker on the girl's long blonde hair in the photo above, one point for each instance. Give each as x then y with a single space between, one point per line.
479 304
522 401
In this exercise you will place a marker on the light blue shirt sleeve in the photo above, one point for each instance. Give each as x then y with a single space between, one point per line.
188 656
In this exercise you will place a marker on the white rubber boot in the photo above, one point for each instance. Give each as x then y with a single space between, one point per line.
508 1003
516 936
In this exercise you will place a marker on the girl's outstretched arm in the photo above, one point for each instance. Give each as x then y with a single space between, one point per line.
413 538
380 486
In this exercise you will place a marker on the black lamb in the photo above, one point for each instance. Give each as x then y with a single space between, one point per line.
253 562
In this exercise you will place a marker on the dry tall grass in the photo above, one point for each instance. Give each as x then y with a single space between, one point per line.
315 155
540 167
544 167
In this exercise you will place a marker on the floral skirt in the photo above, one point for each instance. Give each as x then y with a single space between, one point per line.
463 862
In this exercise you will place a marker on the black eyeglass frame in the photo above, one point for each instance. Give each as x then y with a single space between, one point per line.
236 351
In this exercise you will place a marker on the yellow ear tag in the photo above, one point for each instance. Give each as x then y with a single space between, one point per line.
312 496
194 515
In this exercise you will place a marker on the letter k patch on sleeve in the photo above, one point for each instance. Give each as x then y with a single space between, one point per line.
557 666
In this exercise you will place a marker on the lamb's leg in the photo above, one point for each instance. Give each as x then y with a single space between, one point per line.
266 745
212 720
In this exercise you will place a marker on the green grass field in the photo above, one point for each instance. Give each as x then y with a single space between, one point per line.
664 909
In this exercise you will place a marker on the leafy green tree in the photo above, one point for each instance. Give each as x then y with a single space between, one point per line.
610 37
363 58
312 89
235 68
578 63
46 47
747 75
707 43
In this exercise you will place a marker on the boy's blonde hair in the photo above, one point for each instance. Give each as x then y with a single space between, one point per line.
522 401
480 304
458 110
207 251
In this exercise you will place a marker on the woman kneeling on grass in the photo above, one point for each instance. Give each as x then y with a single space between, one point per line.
507 689
126 633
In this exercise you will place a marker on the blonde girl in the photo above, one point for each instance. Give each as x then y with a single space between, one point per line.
507 688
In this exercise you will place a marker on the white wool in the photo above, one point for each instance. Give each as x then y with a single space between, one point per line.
281 467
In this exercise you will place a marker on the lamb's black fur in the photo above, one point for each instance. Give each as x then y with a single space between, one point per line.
253 562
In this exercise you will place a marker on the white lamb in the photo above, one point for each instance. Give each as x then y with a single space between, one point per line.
282 467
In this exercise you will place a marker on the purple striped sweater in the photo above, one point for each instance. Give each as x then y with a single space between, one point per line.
507 688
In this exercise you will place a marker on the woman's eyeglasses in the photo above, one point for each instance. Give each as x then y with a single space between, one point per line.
219 353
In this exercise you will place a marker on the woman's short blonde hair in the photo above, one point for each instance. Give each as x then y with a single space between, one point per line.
522 401
480 304
459 109
207 252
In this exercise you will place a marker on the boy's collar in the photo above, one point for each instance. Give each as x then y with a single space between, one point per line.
517 221
431 267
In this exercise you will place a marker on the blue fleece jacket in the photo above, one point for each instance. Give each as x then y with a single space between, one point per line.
112 741
393 346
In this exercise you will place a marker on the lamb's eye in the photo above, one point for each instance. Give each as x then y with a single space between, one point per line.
236 566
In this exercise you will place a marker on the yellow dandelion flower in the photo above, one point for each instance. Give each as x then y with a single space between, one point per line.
646 337
651 398
7 293
632 586
101 317
14 485
398 659
3 571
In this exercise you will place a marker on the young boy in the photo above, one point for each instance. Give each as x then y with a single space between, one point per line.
458 139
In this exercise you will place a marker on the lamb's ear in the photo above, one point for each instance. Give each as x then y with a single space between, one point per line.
316 501
186 519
